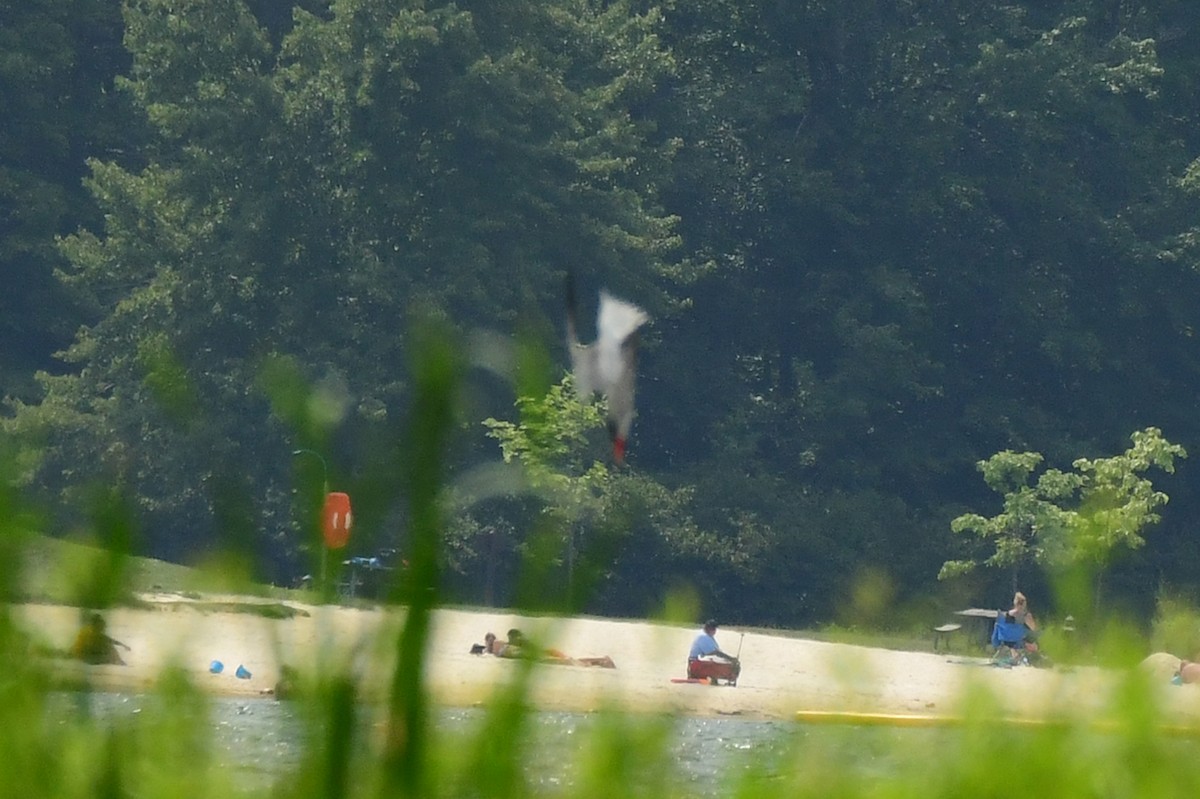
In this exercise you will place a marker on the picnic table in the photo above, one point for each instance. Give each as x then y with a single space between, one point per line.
984 619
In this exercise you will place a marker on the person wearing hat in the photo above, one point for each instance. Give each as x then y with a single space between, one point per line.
706 661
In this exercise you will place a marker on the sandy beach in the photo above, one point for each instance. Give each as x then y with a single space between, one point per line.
781 675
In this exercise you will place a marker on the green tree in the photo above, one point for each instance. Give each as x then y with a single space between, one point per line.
56 88
1068 519
621 537
931 231
1118 503
388 159
881 241
549 442
1032 523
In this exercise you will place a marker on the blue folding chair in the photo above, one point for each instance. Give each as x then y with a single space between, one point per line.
1008 635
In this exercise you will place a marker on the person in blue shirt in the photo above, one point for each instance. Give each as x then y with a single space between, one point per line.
706 661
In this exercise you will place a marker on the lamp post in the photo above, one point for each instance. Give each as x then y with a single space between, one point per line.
324 493
336 518
324 466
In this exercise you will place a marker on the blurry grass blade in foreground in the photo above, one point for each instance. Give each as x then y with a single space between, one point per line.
103 582
436 374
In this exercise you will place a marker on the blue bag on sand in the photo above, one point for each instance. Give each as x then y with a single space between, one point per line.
216 667
241 673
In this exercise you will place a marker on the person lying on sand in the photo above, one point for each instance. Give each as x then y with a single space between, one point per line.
92 644
494 646
518 646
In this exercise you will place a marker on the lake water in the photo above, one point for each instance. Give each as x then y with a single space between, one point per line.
263 740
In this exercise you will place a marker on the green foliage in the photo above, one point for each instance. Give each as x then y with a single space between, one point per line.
71 746
1033 520
56 81
167 380
436 373
551 441
1117 502
1065 519
385 162
64 744
813 198
621 536
1176 627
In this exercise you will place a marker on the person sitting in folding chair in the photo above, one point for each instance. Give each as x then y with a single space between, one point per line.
1021 615
1015 635
706 661
1008 641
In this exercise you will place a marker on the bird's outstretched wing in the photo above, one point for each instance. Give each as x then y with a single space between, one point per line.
608 365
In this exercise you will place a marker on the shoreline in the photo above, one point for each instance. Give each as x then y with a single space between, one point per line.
781 675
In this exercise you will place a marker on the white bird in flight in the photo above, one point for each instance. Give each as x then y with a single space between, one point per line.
607 365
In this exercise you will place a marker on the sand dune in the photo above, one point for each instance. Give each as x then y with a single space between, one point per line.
780 675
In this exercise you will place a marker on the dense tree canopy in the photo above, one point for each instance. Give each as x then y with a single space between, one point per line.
56 88
880 242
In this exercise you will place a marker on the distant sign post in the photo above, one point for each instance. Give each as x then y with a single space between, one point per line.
337 519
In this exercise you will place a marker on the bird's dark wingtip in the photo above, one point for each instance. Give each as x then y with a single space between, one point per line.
572 308
569 286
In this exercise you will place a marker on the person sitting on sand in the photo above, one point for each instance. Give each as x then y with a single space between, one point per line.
705 658
93 645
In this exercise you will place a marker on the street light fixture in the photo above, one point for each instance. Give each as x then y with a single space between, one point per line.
324 466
